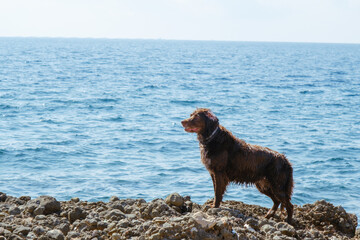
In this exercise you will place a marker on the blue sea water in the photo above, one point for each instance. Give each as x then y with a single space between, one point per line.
92 118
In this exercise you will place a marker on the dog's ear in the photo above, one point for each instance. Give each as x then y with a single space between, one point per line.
211 115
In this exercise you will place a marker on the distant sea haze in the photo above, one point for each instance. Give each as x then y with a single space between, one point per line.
94 118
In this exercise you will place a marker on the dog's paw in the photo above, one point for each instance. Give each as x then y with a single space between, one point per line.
215 205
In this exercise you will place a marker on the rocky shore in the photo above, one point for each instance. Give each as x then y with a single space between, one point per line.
175 217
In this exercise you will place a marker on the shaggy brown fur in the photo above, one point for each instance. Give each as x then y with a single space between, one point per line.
229 159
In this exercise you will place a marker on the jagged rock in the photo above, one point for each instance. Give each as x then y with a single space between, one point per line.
204 220
115 214
64 228
14 210
43 205
39 230
117 205
157 208
25 198
75 200
113 199
73 234
31 235
253 223
285 229
116 236
75 214
267 229
55 234
21 230
174 199
2 197
102 225
323 213
39 210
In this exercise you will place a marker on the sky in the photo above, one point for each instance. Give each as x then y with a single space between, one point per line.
329 21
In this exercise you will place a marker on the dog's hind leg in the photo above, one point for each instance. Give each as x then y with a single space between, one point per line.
285 202
289 209
272 211
285 194
265 187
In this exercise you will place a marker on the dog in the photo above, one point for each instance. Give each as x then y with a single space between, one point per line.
229 159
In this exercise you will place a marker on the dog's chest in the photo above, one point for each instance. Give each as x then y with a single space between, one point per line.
205 158
211 161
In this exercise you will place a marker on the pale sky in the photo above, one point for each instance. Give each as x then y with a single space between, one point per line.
335 21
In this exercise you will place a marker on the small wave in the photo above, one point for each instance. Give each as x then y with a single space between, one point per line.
115 119
335 159
60 143
352 95
49 121
5 107
162 175
334 105
61 78
297 76
186 102
223 78
274 111
106 100
7 95
319 162
187 169
309 85
116 163
18 155
200 72
39 168
90 106
123 181
151 86
66 102
36 149
311 92
338 73
183 63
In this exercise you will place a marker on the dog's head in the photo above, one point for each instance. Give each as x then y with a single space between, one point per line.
202 120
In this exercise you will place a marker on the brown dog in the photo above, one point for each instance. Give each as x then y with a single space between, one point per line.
229 159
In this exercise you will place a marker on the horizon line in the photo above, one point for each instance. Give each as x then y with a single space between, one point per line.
190 40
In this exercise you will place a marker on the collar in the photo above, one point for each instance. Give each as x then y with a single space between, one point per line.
213 134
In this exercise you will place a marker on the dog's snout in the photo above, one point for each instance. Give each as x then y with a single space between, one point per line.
183 122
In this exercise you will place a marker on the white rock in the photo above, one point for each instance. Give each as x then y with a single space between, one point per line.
204 220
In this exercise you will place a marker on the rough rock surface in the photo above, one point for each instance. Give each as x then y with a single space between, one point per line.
176 217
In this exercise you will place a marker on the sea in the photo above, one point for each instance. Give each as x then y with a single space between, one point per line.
94 118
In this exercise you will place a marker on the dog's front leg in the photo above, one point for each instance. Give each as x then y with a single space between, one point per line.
220 183
213 180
